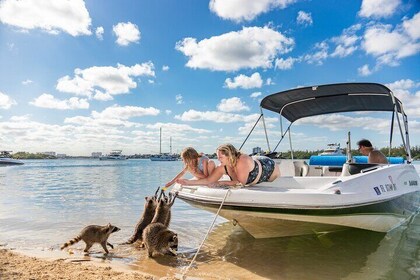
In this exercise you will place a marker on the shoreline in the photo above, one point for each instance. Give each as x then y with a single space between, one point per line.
16 264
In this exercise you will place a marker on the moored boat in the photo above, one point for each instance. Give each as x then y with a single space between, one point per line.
307 199
333 149
114 155
164 157
5 159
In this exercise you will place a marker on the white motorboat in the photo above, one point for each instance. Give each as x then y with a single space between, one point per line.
333 149
114 155
309 199
5 159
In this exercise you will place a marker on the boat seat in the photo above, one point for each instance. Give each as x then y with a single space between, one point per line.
301 168
356 168
287 167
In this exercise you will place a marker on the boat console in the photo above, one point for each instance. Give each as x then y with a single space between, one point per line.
356 168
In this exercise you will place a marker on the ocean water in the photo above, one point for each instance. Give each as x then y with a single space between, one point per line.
44 203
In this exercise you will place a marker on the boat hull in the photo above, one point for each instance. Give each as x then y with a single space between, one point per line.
113 158
379 200
9 161
281 222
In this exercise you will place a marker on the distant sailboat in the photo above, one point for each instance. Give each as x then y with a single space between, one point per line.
165 156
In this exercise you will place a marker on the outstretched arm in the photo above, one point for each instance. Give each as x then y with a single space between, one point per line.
197 173
180 174
213 178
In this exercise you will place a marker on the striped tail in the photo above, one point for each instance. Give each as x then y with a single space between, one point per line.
136 236
71 242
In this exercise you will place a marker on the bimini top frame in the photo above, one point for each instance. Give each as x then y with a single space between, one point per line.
335 98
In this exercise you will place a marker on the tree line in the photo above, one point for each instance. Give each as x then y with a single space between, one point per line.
297 154
395 152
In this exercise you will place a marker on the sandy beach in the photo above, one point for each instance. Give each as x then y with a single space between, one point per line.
14 265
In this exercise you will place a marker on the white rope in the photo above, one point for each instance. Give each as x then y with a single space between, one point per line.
205 237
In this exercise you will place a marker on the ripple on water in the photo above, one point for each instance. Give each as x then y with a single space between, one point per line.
45 203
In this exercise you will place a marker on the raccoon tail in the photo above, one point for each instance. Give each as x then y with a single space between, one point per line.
136 236
71 242
130 241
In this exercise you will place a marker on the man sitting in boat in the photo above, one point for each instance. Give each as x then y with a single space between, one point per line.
374 156
241 169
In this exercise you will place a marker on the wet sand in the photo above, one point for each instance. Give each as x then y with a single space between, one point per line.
15 265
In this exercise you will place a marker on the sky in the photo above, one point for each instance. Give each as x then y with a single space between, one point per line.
78 77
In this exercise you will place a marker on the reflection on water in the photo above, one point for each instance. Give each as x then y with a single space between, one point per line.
46 202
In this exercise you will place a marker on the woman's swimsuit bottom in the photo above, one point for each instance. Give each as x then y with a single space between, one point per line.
267 165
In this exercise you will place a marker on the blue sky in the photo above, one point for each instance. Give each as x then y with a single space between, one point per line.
85 76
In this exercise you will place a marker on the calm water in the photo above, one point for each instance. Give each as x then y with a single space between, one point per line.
46 202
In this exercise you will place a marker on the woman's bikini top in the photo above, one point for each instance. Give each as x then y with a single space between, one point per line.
251 176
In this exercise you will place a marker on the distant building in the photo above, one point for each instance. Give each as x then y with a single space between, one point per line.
49 153
256 150
61 155
96 154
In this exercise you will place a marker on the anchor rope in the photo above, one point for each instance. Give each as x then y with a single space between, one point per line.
207 234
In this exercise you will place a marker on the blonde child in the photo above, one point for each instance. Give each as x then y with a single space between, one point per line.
198 165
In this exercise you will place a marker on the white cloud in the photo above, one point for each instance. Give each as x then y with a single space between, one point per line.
255 94
125 112
364 70
412 26
347 42
27 82
304 18
110 80
114 116
179 99
172 128
6 101
101 96
251 47
389 45
336 122
99 32
165 68
233 104
408 92
168 112
242 81
320 54
378 8
54 16
126 33
213 116
285 64
20 118
240 10
48 101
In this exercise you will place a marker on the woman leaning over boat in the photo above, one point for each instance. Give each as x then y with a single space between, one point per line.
241 169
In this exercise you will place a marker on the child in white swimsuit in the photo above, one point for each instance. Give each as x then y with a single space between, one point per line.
198 165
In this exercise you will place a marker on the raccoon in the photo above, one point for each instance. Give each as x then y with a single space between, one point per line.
163 209
158 239
148 214
94 234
